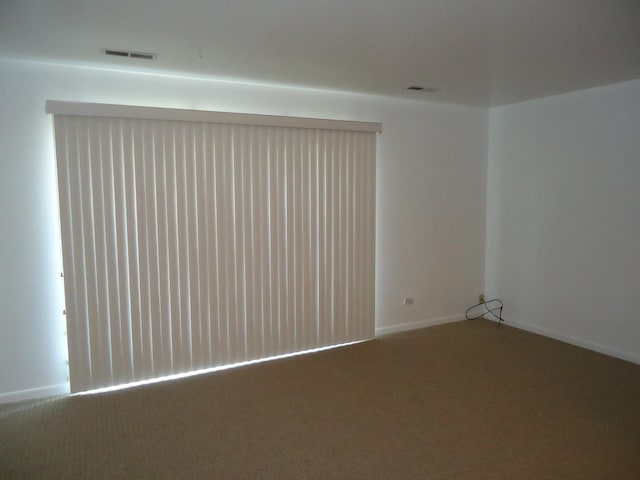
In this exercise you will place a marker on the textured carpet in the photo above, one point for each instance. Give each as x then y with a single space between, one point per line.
466 400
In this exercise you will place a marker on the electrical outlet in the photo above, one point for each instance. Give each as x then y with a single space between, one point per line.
408 301
481 298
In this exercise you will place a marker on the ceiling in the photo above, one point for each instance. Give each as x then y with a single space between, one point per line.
477 52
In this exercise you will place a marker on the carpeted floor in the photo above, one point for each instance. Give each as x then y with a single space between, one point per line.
466 400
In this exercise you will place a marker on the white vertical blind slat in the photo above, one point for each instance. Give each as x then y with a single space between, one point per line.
236 317
80 366
183 234
133 259
192 245
307 190
296 236
164 253
95 288
136 264
287 255
257 199
226 254
196 251
154 262
124 279
275 214
213 240
339 296
253 193
322 291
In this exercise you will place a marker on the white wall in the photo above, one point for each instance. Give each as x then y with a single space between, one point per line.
563 216
430 199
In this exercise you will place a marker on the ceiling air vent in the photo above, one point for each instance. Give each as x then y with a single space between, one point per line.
127 53
144 56
423 89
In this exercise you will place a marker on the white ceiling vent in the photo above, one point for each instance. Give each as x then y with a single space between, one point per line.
127 53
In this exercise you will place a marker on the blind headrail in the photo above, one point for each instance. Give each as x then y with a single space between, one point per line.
155 113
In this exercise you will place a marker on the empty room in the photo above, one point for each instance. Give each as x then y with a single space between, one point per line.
334 239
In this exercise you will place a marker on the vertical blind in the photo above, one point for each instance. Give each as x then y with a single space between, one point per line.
194 244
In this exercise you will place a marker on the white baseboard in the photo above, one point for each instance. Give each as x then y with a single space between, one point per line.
32 393
420 324
579 342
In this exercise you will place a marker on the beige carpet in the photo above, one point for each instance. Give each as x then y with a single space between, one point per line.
460 401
